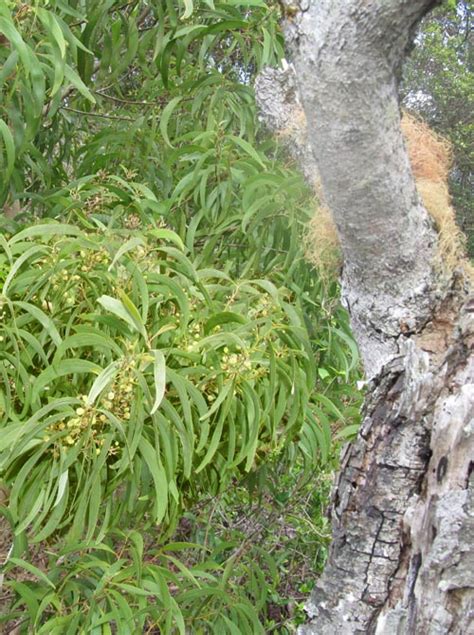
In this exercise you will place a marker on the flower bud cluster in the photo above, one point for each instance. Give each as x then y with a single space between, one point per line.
93 420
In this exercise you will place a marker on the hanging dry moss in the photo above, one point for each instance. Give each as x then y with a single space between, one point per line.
430 154
430 157
321 242
431 160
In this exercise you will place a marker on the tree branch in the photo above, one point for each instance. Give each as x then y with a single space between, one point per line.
96 114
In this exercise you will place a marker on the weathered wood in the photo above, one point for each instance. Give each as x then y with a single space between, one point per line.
401 558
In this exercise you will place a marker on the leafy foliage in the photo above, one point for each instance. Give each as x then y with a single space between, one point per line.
88 350
163 339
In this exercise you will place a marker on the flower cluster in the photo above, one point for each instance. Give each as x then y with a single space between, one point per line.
132 221
87 419
235 364
264 308
93 420
91 259
118 399
193 337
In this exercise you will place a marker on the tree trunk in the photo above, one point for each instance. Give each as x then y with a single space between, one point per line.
401 558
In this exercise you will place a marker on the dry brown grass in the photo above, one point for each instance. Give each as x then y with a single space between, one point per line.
452 241
430 158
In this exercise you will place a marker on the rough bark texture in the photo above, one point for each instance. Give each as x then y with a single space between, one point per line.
402 511
401 559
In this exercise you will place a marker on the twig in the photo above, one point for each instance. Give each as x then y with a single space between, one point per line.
121 100
96 114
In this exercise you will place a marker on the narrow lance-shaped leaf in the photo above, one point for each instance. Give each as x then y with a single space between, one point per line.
165 117
125 310
188 9
159 374
9 144
102 381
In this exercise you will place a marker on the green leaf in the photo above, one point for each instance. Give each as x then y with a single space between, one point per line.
64 367
8 29
188 6
225 398
225 317
118 308
62 484
103 381
165 117
226 390
46 230
77 82
125 248
323 373
10 151
27 566
134 314
36 249
87 338
50 22
158 475
246 3
167 234
159 375
348 431
39 315
249 149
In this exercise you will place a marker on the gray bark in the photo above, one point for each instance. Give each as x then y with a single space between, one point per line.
402 512
345 55
281 110
401 559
